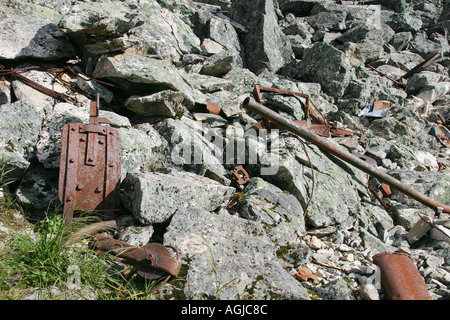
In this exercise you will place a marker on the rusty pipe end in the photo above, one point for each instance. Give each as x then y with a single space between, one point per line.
400 277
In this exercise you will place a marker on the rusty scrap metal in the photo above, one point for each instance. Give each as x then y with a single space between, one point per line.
404 79
386 205
90 166
151 261
400 277
325 145
385 190
400 83
212 108
319 126
239 175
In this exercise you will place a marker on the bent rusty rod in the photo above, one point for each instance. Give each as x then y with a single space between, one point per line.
325 145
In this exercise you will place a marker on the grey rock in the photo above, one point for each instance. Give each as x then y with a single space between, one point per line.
142 150
166 103
221 31
334 290
427 46
138 74
38 189
165 34
107 18
244 266
294 175
219 64
20 119
369 292
418 81
43 102
380 35
30 37
332 68
401 40
195 147
279 211
15 166
5 92
266 46
433 184
333 21
433 92
155 197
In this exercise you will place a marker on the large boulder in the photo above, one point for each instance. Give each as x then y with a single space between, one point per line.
101 18
164 34
31 37
229 258
329 66
143 75
266 46
154 197
20 119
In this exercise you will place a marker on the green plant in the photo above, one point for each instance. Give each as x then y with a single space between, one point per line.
212 261
4 171
43 257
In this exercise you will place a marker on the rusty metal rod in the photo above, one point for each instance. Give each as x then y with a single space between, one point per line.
325 145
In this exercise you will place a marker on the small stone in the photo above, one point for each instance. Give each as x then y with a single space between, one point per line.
369 292
315 243
350 257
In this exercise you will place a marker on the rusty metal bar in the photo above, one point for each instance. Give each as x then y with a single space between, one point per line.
418 68
325 145
400 277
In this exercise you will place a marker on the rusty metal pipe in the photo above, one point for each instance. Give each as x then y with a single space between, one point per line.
400 277
327 146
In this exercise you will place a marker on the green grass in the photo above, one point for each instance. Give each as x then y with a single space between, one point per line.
43 255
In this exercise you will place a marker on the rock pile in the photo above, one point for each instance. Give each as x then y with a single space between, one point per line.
307 230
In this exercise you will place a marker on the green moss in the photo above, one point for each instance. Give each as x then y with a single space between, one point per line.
313 295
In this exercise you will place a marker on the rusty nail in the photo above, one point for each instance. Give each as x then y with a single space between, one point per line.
79 187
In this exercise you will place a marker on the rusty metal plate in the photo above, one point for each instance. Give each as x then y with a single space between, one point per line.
90 169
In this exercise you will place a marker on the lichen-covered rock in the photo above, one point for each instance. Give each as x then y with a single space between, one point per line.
243 266
164 34
30 37
332 68
165 103
20 119
266 46
154 197
138 74
281 212
102 18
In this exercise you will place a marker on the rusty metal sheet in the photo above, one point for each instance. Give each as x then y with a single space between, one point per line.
90 168
400 277
151 261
